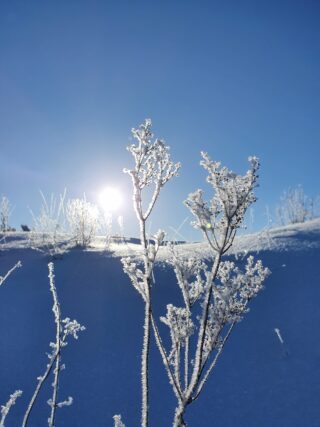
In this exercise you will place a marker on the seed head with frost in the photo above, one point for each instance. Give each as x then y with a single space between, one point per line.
152 158
152 166
179 321
190 274
233 194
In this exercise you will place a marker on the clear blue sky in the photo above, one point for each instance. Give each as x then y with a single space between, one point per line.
233 78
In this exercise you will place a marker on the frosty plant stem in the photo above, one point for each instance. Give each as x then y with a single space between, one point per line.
64 328
57 319
4 278
153 167
13 397
6 408
223 291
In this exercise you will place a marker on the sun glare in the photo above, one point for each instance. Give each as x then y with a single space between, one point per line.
110 199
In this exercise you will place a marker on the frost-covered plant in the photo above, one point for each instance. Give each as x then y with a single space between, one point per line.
64 329
83 218
220 293
48 231
295 206
13 397
117 421
214 297
5 212
152 168
6 408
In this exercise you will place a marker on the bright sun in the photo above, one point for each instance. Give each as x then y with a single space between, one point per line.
110 199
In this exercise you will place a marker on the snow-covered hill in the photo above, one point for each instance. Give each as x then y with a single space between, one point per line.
258 381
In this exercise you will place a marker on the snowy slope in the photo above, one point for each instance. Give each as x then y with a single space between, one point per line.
258 381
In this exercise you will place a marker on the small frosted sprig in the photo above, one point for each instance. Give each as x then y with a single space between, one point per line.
6 408
232 292
159 237
178 319
64 328
72 327
4 278
67 402
153 248
135 274
117 421
190 273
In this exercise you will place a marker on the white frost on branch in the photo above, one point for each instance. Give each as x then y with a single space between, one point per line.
117 421
67 402
64 328
215 298
153 165
4 278
225 211
152 168
179 321
152 159
72 327
232 291
135 274
190 273
6 408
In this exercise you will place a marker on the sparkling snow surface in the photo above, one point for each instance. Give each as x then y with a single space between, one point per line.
259 380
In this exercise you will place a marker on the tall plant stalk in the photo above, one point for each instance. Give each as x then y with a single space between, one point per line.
64 328
223 291
154 168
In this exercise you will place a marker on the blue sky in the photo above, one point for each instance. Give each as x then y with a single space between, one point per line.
233 78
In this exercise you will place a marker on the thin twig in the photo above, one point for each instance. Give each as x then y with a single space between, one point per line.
214 362
6 408
4 278
172 379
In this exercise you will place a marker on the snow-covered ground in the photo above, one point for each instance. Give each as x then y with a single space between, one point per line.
301 236
258 382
